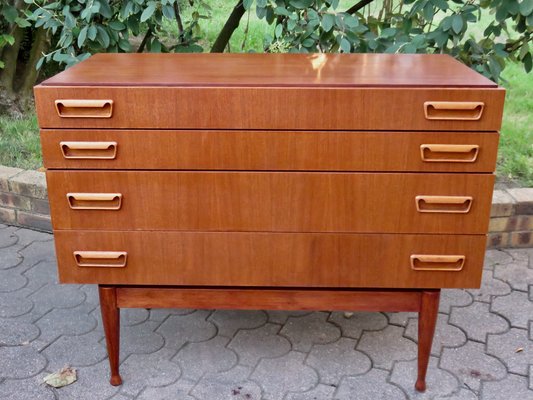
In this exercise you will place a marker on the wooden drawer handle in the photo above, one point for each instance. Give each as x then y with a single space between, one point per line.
453 110
94 201
84 108
443 204
427 262
89 150
449 152
114 259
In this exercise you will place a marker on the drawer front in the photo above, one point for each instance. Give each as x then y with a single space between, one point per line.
270 259
270 108
270 150
270 201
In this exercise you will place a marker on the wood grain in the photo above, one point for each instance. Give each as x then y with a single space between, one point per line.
270 70
270 259
427 320
270 201
111 321
269 108
268 299
269 150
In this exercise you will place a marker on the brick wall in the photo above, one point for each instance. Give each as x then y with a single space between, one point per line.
23 199
24 202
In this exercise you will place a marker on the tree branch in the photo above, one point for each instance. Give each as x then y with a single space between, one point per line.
229 27
178 20
357 6
145 40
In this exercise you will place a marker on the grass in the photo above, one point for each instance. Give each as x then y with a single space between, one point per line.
19 142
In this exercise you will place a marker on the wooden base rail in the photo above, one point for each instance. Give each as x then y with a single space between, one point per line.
113 298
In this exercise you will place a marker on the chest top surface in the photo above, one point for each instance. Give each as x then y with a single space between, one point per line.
271 70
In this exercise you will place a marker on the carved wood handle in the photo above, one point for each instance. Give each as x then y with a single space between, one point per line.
95 201
431 262
106 259
443 204
453 110
70 108
449 152
89 150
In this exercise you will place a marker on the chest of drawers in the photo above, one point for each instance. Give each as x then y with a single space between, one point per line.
270 181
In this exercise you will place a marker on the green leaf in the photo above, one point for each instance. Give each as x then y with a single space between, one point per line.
346 47
91 34
457 23
281 11
148 11
301 4
117 25
124 45
278 31
82 36
526 7
388 32
442 4
105 9
168 11
102 37
247 4
328 20
22 22
528 62
350 21
10 13
429 12
308 42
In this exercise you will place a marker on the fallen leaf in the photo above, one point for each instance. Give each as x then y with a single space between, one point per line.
520 349
348 314
63 377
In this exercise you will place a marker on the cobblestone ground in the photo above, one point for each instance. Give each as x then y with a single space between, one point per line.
483 347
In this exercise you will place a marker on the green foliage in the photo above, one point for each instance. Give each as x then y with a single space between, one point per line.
84 27
421 26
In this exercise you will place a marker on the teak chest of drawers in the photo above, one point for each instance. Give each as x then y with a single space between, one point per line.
331 182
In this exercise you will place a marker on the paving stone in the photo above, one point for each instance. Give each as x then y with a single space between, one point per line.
76 351
386 346
27 389
65 322
445 334
91 294
454 297
354 325
9 258
14 304
496 257
281 317
180 329
11 280
197 359
319 392
439 382
42 273
505 347
516 307
160 314
517 274
176 391
155 369
15 333
490 287
531 377
513 387
251 345
139 339
371 386
282 375
229 385
57 296
133 316
519 254
8 238
230 321
27 236
92 384
400 318
38 251
335 360
120 396
311 329
471 365
477 321
20 362
462 394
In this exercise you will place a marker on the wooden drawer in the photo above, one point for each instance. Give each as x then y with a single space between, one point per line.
311 108
269 259
270 201
270 150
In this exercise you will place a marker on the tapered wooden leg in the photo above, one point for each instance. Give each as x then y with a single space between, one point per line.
111 321
427 319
